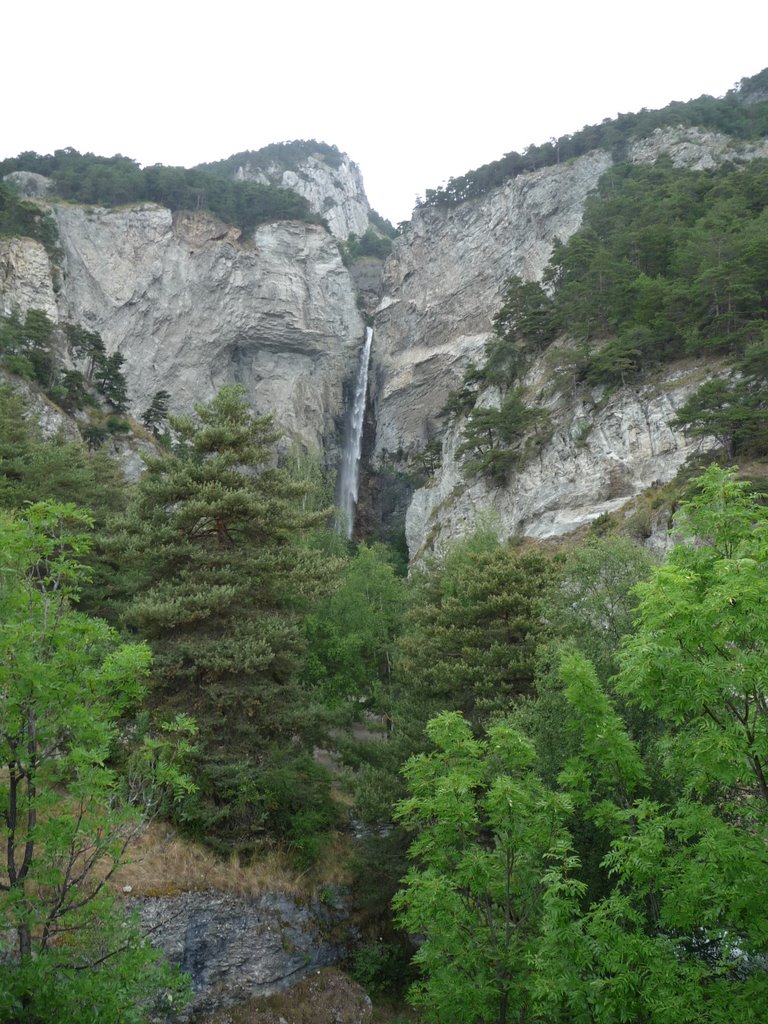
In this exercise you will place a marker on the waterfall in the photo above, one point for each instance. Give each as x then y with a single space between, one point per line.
349 473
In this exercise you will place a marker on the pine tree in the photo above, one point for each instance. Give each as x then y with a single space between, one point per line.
218 579
110 381
157 412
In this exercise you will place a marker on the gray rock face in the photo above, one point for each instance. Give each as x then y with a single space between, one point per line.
237 947
30 184
444 283
695 148
191 308
26 277
602 454
336 193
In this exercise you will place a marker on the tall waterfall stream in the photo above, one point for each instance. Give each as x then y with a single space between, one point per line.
349 473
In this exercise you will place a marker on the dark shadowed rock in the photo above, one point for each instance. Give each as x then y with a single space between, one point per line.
238 947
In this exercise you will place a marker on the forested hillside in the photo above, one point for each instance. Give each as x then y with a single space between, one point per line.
742 113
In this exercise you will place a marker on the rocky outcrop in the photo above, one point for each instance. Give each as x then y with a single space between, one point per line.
238 947
334 189
26 277
327 996
29 184
695 148
192 307
604 450
444 283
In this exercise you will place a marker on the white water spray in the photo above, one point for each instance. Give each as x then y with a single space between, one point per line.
349 473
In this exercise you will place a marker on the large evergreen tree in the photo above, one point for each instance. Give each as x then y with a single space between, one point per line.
217 580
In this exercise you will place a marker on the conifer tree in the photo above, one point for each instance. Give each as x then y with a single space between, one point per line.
217 580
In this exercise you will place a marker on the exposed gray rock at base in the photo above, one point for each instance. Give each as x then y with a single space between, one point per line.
327 996
237 947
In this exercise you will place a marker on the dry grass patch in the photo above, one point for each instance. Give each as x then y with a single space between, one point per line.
163 863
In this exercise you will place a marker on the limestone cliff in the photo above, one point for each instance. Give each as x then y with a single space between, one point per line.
444 283
604 451
442 286
26 277
191 307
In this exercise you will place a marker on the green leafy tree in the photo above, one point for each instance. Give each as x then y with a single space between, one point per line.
473 626
734 411
27 346
352 637
87 345
681 934
499 440
71 392
33 469
526 319
484 827
65 681
593 602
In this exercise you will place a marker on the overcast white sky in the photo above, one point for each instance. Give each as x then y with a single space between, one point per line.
414 91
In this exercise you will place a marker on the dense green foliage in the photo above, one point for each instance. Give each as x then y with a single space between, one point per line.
667 770
587 847
667 262
31 348
67 818
576 742
113 181
680 935
742 113
370 244
503 439
32 468
352 636
474 626
484 825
